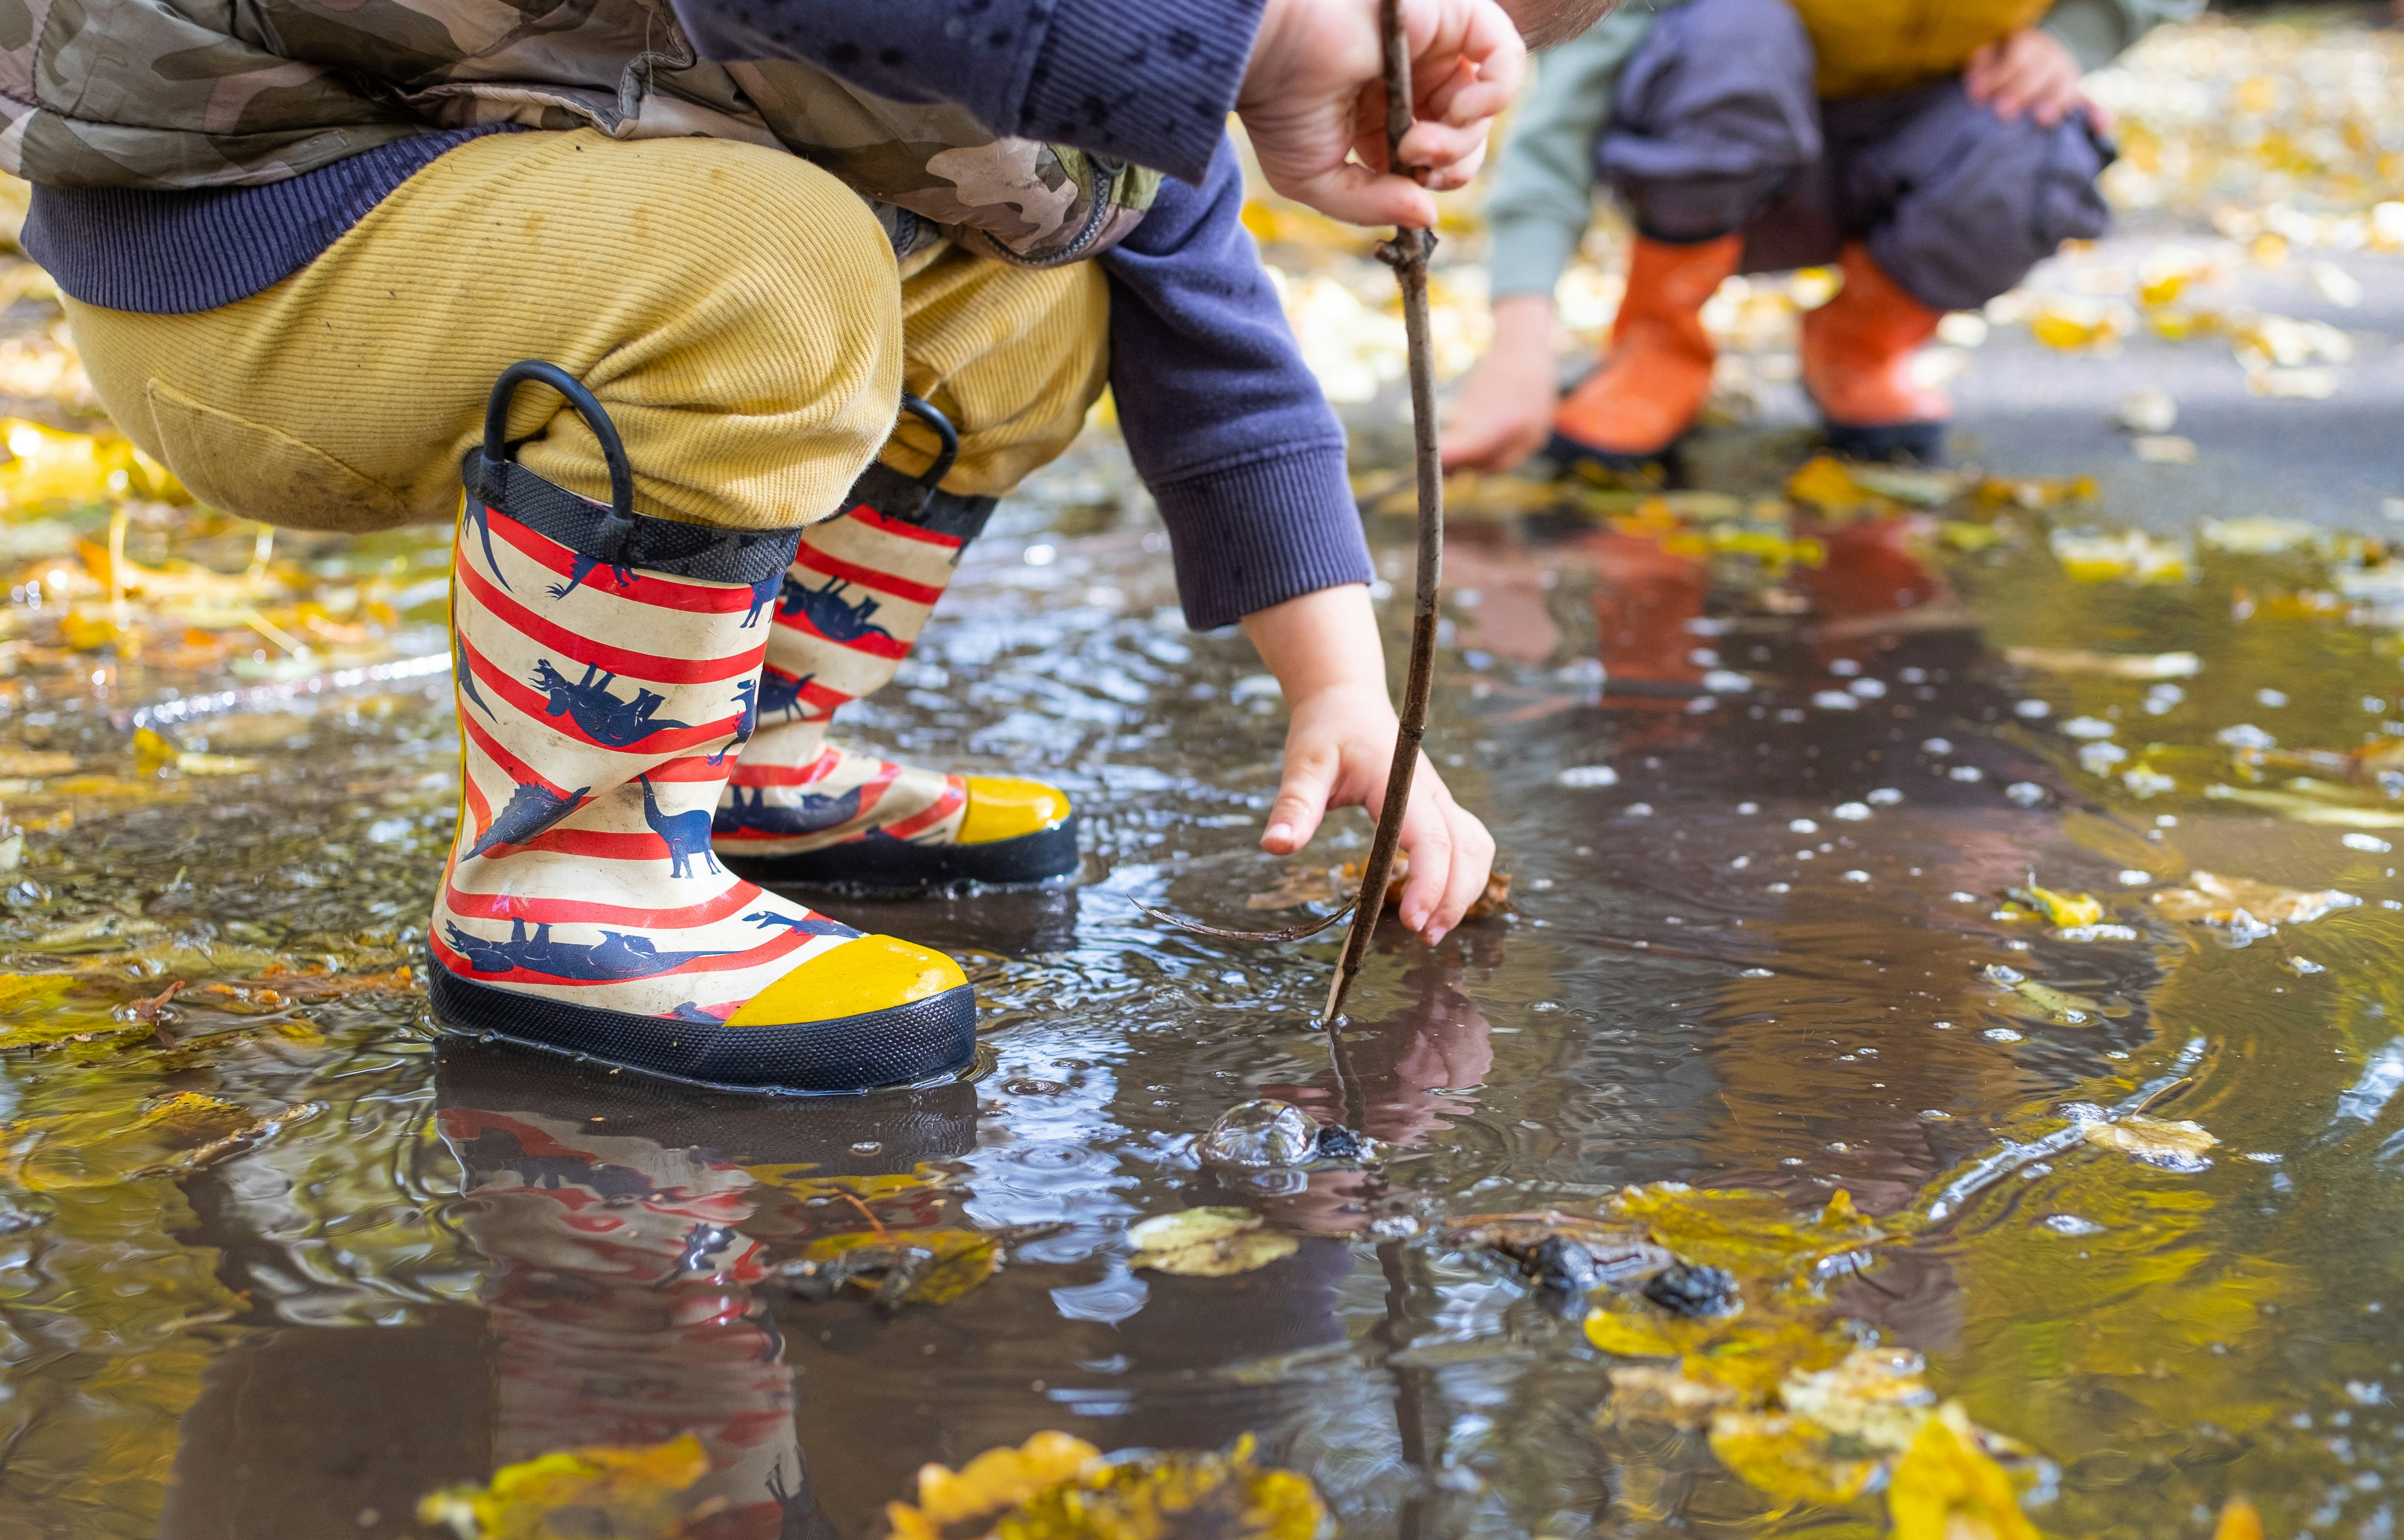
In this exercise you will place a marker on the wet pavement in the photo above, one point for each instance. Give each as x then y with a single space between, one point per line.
278 1263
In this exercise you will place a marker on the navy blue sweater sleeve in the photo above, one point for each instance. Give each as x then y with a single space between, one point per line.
1226 425
1150 81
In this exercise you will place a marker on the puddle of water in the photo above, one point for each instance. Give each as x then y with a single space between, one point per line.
1765 781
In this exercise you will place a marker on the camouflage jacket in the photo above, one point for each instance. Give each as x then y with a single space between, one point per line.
206 93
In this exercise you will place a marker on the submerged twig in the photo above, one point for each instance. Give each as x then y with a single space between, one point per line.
1195 928
1407 255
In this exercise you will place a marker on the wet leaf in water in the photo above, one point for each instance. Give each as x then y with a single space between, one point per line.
1618 1252
1946 1488
2061 908
156 749
952 1503
1651 1335
247 1137
626 1493
2118 666
1226 1496
1876 1395
48 468
2218 899
2238 1520
28 764
1650 1392
1208 1243
2172 1146
928 1267
2133 557
1789 1458
2058 1005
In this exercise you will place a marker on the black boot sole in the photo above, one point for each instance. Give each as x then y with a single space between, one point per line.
900 1045
1891 444
1570 454
879 863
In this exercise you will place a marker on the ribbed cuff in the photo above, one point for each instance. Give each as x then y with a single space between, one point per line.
1527 256
1151 84
1248 536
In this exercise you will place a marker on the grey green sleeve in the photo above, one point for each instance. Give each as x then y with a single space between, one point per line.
2096 31
1543 188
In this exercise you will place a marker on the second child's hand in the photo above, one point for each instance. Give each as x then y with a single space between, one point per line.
2029 71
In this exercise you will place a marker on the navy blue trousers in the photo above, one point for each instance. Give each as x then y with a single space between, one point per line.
1716 129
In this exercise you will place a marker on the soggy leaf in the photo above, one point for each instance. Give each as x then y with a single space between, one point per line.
1173 1494
1650 1334
1789 1458
952 1503
1876 1395
2174 1146
1650 1392
2118 666
2061 908
626 1493
2215 901
1945 1488
1208 1243
930 1266
2238 1520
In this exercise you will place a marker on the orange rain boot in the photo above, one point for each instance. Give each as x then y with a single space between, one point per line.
1654 381
1857 352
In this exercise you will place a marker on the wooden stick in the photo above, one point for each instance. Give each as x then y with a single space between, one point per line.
1407 255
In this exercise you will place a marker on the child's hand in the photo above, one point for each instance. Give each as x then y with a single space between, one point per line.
2029 71
1312 96
1325 650
1503 412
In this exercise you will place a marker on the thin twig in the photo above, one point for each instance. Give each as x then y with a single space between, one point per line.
1195 928
1407 255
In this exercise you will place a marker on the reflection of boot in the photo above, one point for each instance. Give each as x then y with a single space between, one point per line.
1645 594
799 809
1657 374
607 665
1857 352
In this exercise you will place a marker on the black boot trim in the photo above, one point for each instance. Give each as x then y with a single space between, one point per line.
879 863
899 1046
903 498
665 546
1891 443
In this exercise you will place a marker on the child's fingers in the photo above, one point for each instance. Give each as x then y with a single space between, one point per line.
1428 839
1301 799
1359 196
1440 147
1473 862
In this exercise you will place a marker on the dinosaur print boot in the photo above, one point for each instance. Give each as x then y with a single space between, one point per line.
801 809
608 669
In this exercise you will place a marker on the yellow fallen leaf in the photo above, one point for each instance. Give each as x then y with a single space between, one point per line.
1876 1395
1789 1458
2214 900
2061 908
154 749
2178 1146
1631 1336
48 468
959 1260
1827 484
951 1503
1208 1243
1650 1392
27 763
1945 1488
2118 666
1173 1494
625 1493
2238 1520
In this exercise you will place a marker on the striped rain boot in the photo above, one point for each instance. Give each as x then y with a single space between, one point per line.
799 809
608 669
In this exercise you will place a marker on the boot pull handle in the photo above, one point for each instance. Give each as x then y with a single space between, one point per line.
941 426
500 451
